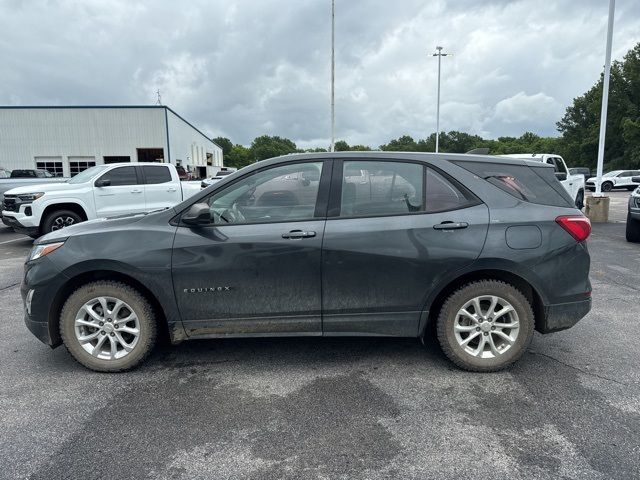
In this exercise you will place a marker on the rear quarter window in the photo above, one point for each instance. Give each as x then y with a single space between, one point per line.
531 184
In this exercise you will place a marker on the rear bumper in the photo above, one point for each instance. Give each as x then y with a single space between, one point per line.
563 315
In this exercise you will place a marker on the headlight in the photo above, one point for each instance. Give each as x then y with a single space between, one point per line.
44 250
30 197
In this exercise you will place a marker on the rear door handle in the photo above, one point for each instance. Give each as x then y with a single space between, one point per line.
451 226
296 234
172 189
136 191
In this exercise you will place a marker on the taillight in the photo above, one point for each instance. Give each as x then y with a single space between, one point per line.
578 226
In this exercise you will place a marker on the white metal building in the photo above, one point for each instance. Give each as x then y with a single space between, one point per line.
66 140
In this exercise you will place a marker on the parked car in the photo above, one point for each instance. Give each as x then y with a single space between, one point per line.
584 171
615 179
573 183
9 183
30 173
223 172
100 191
485 249
633 214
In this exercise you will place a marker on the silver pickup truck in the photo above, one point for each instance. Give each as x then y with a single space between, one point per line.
10 183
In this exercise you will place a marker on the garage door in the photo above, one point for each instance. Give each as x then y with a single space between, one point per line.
78 164
51 164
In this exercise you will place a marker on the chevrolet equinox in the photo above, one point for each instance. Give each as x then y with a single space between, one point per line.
477 250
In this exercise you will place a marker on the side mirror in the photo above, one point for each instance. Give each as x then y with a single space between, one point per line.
561 176
635 179
102 183
198 214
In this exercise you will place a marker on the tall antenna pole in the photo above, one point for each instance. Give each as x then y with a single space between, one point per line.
333 80
159 100
605 99
439 54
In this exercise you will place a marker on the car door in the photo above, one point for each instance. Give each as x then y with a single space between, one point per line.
389 240
255 267
567 183
160 189
123 194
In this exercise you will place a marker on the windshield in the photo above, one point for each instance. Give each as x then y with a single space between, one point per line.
612 174
87 174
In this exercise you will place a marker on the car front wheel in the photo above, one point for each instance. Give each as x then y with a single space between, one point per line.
633 229
108 326
485 326
607 186
60 219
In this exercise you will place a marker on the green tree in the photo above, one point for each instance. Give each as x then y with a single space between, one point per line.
223 143
265 146
341 146
581 122
238 157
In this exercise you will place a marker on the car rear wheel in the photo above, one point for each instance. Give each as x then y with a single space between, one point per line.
108 326
580 200
633 229
485 326
60 219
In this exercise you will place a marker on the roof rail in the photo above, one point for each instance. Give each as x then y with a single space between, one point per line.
478 151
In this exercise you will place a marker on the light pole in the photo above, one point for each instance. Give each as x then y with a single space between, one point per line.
438 54
605 99
333 68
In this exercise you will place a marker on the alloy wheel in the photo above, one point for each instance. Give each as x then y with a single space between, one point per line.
62 221
486 326
107 328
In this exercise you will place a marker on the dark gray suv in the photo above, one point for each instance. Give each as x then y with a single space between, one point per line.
478 250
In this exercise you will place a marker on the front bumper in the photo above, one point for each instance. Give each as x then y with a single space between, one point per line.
20 223
49 282
634 207
563 315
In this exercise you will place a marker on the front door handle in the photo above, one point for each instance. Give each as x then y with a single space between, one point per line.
296 234
172 189
451 226
136 191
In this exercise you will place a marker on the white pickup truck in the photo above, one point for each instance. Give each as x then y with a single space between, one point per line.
573 184
100 191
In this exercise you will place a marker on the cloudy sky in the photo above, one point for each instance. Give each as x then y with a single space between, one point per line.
245 68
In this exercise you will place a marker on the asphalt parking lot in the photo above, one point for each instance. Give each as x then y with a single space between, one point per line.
333 408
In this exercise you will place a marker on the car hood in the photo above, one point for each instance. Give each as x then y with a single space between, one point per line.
40 187
101 225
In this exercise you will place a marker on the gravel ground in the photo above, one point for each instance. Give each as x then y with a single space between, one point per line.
332 408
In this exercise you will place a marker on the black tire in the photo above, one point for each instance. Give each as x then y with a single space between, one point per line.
447 318
607 186
60 219
633 229
138 304
580 200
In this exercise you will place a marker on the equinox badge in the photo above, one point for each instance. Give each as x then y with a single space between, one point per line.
206 289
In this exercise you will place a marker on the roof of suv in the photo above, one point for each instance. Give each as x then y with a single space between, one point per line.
423 156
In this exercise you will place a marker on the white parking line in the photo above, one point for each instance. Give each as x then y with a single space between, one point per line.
14 240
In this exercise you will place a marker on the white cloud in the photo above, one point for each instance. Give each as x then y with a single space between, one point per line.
243 68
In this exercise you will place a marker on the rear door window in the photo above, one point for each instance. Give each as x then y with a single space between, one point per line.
531 184
372 188
442 194
154 175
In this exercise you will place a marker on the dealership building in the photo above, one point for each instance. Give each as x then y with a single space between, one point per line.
66 140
